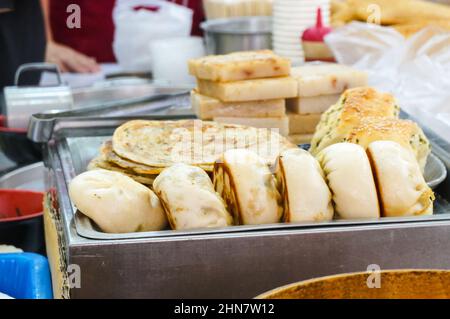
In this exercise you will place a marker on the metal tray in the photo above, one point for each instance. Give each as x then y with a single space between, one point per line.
207 265
78 142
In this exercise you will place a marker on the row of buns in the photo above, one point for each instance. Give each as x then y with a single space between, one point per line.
363 115
344 181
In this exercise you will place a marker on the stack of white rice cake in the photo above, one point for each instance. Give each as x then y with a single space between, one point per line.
319 87
246 88
256 88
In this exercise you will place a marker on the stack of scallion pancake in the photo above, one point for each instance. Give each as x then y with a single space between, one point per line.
141 149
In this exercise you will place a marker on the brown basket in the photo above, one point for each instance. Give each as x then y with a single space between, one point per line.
394 284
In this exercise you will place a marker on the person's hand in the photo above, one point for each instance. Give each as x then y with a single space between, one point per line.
70 60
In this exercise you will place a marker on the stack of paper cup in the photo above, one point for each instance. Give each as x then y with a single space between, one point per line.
290 19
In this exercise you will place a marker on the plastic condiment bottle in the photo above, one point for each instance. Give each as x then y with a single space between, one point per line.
314 47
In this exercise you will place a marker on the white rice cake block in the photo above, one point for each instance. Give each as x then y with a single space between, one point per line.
249 90
300 138
312 104
240 66
206 108
280 124
303 123
327 78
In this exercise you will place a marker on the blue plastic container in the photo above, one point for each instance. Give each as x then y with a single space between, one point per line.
25 276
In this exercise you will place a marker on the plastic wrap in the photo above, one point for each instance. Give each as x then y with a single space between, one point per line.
416 70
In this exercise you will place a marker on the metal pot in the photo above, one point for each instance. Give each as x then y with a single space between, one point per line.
237 34
30 177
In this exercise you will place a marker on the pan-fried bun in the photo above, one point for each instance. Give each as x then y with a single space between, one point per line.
402 188
347 170
189 199
305 193
248 187
116 203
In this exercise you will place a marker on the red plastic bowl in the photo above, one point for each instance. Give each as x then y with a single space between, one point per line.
18 204
21 220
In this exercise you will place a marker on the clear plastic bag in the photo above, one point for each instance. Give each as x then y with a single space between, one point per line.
415 70
139 22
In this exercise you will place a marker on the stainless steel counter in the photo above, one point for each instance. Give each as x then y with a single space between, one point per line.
243 266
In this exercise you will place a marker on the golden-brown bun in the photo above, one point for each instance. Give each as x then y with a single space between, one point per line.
405 132
246 184
354 105
189 199
401 186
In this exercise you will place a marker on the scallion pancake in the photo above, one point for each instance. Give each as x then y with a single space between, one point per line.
99 162
194 142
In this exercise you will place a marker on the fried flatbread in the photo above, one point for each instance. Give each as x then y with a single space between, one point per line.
159 144
398 11
99 162
110 156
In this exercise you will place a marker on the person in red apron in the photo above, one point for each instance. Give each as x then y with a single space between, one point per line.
82 49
